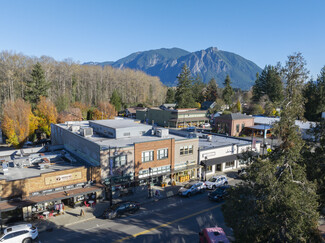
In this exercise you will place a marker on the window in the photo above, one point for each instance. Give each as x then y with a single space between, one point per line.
230 164
162 154
186 150
120 161
242 126
209 168
147 156
190 149
237 128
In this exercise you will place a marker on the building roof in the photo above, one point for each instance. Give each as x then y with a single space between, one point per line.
271 120
215 141
106 142
207 104
234 116
133 110
56 164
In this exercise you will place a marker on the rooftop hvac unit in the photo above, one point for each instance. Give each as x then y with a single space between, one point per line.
86 131
74 128
209 138
162 132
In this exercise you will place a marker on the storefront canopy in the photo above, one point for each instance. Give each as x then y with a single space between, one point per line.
7 206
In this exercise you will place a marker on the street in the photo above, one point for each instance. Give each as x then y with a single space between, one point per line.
174 219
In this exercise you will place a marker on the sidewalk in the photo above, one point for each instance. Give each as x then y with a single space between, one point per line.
140 194
72 216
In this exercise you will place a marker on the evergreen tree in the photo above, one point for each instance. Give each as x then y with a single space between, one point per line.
212 90
228 92
170 96
314 94
198 88
278 203
269 83
37 86
184 95
116 101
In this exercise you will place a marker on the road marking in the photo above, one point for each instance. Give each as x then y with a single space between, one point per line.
165 225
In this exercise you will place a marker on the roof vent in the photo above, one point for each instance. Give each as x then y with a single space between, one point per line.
86 131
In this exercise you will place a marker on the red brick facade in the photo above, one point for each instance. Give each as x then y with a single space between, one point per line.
153 146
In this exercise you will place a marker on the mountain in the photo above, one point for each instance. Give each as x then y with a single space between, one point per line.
209 63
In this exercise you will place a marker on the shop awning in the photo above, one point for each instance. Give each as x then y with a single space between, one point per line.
7 206
190 167
228 158
221 160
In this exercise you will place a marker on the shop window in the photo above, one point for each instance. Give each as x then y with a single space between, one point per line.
120 161
147 156
237 128
230 164
162 153
209 168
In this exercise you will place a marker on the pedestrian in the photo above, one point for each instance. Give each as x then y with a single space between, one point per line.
82 213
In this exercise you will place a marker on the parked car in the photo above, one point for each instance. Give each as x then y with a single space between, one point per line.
213 234
117 210
216 181
22 233
192 188
205 125
219 194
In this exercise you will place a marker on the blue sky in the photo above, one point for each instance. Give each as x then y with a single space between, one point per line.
264 32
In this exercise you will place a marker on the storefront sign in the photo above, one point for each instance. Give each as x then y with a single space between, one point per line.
47 191
35 193
62 178
57 189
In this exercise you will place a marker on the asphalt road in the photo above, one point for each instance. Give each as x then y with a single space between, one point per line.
174 220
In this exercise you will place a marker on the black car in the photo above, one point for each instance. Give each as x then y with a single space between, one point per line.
117 210
219 194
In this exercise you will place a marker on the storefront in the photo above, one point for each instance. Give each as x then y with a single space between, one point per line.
52 202
185 172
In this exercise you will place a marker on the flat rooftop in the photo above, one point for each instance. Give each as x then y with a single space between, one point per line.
216 140
56 164
119 123
104 141
222 141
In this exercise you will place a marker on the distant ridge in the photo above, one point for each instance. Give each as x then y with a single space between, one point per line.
209 63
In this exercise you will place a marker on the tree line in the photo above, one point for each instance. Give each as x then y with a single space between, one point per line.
35 92
70 82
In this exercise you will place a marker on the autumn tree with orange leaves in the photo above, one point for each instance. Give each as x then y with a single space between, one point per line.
47 114
16 121
105 110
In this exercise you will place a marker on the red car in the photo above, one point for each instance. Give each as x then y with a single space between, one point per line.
213 235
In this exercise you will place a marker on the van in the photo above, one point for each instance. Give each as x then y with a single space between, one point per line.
213 235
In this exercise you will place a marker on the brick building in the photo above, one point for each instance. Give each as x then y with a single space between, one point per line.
232 124
124 148
34 184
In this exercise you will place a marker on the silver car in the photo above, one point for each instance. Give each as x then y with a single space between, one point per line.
191 189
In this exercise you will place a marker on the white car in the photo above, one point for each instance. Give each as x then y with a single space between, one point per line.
23 233
191 188
216 181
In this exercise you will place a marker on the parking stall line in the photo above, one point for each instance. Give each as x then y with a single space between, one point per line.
166 224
